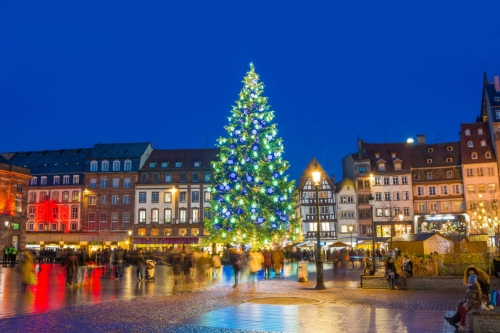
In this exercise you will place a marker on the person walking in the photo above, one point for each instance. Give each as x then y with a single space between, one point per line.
406 271
216 264
141 266
277 259
390 273
12 255
267 263
118 263
237 261
71 265
26 269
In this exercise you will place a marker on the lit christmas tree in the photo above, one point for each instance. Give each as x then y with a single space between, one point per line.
252 199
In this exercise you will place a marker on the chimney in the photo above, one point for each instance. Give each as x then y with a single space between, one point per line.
360 142
421 139
496 83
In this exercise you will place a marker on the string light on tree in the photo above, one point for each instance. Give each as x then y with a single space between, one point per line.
251 195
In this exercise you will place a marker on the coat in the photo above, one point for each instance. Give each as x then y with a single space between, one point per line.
267 258
277 258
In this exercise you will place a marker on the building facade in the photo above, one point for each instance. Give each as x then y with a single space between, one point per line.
171 198
347 211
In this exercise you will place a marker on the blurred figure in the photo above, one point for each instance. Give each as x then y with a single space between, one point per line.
267 263
237 261
216 264
254 264
118 263
26 269
277 259
140 261
71 265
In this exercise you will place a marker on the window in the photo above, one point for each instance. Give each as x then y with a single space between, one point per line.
378 212
141 231
53 227
76 179
164 164
103 200
126 182
155 215
125 221
41 227
92 199
387 181
127 165
449 148
91 223
487 154
207 213
168 178
387 196
406 195
142 197
195 196
404 180
429 175
491 171
152 164
470 144
105 166
415 176
195 177
31 212
116 165
103 218
430 149
56 180
155 197
420 190
178 164
444 189
65 180
114 221
126 199
55 196
377 180
93 166
449 174
429 160
469 172
347 215
115 199
471 188
183 177
473 155
387 212
43 196
144 178
432 190
167 213
208 177
33 181
104 183
381 166
168 197
142 215
366 184
182 197
397 211
467 132
456 189
65 196
74 212
396 196
93 183
116 182
492 187
480 172
483 143
156 178
75 196
43 180
406 211
395 180
449 159
197 164
480 131
480 188
378 196
31 226
312 210
182 215
206 196
195 214
397 166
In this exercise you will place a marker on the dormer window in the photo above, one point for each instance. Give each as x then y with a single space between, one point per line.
397 166
449 159
178 164
164 164
480 131
360 156
487 154
467 132
429 175
430 149
429 160
470 144
449 148
105 166
483 143
415 176
377 156
473 155
381 166
393 155
152 164
93 166
197 164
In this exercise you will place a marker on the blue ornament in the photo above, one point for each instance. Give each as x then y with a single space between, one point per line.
232 175
244 191
283 218
245 111
260 220
230 161
269 157
253 210
278 212
239 211
241 140
254 105
269 137
231 146
237 132
228 213
249 178
247 159
216 226
275 174
255 147
221 187
274 225
227 187
282 198
254 132
270 190
228 228
220 198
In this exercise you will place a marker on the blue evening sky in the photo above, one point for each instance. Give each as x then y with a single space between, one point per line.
74 73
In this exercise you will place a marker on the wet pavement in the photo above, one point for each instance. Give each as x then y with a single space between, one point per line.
107 305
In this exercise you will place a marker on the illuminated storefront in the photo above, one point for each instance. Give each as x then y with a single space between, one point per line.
444 223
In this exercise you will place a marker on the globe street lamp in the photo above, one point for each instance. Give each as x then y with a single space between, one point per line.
351 228
371 202
7 225
320 285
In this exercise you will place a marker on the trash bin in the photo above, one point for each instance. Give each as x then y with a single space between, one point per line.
302 271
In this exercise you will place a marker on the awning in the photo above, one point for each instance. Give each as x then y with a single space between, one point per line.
76 237
166 240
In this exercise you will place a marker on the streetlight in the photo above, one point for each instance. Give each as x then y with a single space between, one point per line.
351 228
7 225
131 240
320 285
371 202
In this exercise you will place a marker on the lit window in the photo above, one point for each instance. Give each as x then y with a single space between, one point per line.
93 166
127 165
116 165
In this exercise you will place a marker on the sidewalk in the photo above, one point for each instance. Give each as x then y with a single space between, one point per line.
220 308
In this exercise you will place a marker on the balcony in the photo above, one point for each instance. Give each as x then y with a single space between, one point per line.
312 201
322 218
324 235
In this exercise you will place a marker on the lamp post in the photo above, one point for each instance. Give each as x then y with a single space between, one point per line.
351 228
371 201
320 285
130 240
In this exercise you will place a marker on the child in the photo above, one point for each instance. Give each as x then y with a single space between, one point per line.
472 299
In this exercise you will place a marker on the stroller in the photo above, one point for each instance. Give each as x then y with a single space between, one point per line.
150 270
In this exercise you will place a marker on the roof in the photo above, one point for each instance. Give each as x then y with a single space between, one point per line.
436 155
481 143
307 173
344 182
167 159
52 161
118 150
403 152
416 237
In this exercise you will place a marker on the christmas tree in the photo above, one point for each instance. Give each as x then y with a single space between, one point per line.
252 199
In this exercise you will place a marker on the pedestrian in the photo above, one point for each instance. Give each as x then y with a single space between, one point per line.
343 259
277 259
12 256
26 269
352 257
236 259
267 263
82 268
406 270
140 261
472 300
118 263
176 269
254 264
390 273
71 265
216 264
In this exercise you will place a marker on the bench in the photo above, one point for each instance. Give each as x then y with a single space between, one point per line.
378 281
